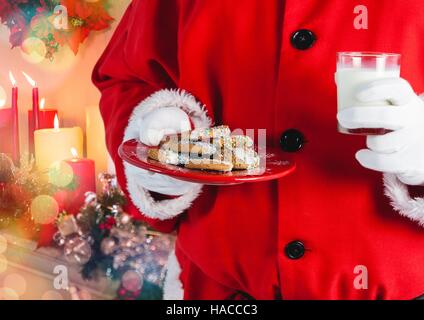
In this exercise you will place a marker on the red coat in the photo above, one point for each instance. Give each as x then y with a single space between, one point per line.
238 59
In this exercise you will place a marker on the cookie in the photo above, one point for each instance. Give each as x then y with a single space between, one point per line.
210 133
207 149
153 153
199 147
167 156
244 159
240 141
209 164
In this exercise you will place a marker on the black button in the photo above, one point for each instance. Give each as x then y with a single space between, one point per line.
292 140
303 39
295 250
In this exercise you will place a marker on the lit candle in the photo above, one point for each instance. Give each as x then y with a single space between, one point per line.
52 145
46 121
84 177
35 101
15 120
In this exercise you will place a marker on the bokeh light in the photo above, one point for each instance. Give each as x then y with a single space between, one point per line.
3 263
3 97
44 209
132 281
8 294
33 50
3 244
51 295
60 174
15 282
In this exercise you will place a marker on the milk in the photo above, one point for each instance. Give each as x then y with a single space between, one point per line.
349 79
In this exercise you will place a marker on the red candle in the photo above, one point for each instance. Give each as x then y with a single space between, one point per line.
45 121
15 120
84 181
35 121
35 108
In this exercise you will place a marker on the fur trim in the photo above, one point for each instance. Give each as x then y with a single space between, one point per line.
165 209
162 210
401 200
173 288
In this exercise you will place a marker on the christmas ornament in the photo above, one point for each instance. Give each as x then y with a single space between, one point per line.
77 250
132 281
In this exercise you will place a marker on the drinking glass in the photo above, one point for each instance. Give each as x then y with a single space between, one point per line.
356 68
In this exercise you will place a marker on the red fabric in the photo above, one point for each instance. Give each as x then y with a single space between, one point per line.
238 60
198 286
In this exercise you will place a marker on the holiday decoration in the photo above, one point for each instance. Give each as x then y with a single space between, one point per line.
84 172
103 239
61 140
45 25
35 102
28 200
15 121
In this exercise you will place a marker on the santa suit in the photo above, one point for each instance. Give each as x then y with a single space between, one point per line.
270 65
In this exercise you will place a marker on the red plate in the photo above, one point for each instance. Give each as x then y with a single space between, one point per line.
273 166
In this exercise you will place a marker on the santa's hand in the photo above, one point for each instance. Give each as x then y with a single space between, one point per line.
160 122
164 112
153 126
401 151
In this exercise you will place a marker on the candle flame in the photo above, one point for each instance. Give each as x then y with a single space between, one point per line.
12 78
42 103
74 152
29 79
56 122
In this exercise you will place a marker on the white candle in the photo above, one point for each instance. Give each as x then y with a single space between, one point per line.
52 145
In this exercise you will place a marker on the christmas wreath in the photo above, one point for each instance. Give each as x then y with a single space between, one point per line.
55 22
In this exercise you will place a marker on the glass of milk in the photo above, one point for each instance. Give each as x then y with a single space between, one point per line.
356 68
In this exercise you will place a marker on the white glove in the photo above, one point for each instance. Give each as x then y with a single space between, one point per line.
160 122
401 151
153 127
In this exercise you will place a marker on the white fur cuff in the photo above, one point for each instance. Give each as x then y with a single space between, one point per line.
401 200
141 197
173 288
